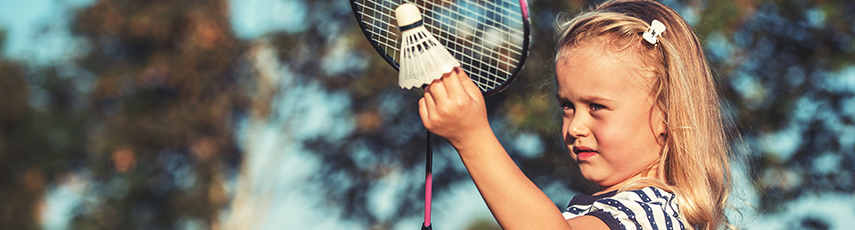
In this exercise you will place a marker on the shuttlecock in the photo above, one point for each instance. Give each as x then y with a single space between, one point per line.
423 58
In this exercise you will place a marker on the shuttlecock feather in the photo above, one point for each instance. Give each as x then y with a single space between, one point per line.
423 59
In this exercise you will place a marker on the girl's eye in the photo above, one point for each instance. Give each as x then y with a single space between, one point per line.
595 107
566 106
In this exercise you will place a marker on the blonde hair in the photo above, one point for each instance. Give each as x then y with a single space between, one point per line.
694 158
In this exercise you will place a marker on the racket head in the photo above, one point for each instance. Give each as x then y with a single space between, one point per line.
489 38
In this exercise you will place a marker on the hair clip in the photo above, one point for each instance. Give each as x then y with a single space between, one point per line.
655 30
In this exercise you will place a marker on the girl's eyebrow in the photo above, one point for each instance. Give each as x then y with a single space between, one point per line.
595 99
587 98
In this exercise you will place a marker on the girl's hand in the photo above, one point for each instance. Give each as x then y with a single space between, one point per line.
454 109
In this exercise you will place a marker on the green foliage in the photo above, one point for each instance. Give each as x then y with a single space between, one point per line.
166 89
148 107
2 39
22 184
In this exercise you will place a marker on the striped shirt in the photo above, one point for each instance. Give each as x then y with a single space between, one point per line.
648 208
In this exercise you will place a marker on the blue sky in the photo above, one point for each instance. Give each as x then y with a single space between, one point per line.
37 30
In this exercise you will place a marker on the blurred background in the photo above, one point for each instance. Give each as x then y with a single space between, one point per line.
278 114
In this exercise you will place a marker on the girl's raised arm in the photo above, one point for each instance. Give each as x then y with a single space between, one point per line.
454 108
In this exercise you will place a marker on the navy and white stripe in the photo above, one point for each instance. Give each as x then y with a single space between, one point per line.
648 209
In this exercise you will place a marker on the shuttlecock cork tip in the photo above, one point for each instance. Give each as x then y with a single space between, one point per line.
407 14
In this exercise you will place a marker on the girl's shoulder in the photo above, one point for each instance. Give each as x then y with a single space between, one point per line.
647 208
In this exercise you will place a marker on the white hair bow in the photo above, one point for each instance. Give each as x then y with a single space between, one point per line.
654 31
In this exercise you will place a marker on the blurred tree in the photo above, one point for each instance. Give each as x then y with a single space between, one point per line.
789 65
39 141
165 93
18 193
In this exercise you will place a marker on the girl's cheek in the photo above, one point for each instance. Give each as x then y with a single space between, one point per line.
605 134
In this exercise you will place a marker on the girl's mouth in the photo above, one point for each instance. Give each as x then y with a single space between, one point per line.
584 153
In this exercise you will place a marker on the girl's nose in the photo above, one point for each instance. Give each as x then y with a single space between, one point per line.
578 128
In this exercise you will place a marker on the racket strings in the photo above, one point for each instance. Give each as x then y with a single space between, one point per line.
486 36
496 71
501 33
382 24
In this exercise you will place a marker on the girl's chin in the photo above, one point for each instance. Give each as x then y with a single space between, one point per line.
600 179
593 178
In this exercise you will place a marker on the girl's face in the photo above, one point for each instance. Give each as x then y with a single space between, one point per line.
609 125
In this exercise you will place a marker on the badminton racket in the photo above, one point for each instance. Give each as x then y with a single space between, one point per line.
489 38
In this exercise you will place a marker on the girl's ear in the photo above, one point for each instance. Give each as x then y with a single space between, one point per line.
660 124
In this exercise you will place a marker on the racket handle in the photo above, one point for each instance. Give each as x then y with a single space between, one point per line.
428 181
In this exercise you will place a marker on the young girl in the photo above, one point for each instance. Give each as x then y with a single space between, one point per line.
641 118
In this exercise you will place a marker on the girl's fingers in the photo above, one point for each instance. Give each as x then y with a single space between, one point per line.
423 110
430 106
452 83
469 85
438 91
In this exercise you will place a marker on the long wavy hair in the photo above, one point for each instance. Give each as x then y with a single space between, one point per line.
694 159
